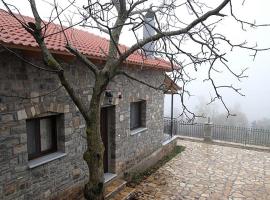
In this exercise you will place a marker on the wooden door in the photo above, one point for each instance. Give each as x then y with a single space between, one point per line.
104 135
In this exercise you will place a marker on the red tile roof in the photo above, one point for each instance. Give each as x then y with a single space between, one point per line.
13 34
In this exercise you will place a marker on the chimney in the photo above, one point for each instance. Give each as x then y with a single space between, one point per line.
148 31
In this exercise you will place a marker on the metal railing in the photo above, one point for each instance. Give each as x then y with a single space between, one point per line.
167 126
243 135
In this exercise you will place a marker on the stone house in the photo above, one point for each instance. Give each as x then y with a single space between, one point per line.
42 137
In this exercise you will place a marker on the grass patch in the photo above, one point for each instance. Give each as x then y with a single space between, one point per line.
135 178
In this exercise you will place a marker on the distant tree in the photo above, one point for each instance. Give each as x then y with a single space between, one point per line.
262 123
239 119
204 110
211 111
253 124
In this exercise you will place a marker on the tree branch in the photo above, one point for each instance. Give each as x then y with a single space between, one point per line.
185 30
161 87
83 59
28 62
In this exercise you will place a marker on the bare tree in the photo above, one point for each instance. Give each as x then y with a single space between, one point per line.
168 37
263 123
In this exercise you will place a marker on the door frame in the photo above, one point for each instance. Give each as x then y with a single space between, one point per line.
107 129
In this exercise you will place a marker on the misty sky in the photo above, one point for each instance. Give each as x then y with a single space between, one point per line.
256 87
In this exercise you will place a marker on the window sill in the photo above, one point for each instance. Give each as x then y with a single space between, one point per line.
45 159
138 130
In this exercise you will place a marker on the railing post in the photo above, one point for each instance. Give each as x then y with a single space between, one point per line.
172 116
208 131
246 135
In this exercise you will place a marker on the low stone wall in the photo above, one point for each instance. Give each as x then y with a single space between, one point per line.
226 144
74 192
151 160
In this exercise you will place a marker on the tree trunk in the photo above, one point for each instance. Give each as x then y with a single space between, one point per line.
94 154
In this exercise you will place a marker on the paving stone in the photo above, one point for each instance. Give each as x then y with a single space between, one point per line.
206 171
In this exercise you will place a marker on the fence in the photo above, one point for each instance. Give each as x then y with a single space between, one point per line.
243 135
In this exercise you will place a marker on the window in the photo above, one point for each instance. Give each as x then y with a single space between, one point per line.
137 114
41 136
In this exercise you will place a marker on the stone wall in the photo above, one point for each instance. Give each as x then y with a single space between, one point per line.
132 148
17 180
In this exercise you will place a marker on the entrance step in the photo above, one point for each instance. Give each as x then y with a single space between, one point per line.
113 188
108 178
126 194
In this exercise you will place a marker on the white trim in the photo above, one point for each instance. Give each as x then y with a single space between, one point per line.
138 130
45 159
108 177
169 140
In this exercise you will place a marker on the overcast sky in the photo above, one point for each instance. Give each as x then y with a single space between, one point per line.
256 87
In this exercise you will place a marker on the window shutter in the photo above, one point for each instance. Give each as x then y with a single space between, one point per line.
41 136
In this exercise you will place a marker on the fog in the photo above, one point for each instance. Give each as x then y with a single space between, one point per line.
256 88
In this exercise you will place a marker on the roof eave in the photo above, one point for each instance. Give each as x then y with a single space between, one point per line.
91 57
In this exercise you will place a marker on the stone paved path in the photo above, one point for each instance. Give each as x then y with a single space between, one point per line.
205 171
